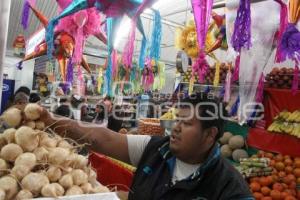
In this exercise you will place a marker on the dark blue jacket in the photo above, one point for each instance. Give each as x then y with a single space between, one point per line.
216 179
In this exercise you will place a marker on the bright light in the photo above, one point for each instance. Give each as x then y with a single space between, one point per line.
123 31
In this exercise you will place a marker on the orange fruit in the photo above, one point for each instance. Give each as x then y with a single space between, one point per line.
280 166
258 195
254 179
289 169
278 158
276 195
292 177
290 197
272 163
275 178
261 154
255 187
298 194
297 172
265 191
281 174
285 186
297 163
266 198
284 194
286 157
269 155
293 185
298 181
264 181
277 187
288 162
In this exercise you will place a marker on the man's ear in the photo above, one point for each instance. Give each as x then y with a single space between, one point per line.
212 133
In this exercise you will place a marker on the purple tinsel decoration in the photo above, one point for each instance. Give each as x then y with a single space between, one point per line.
241 36
20 65
235 107
290 43
70 71
25 15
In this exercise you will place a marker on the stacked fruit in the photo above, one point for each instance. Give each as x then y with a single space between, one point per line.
170 115
280 78
232 146
287 122
210 76
283 181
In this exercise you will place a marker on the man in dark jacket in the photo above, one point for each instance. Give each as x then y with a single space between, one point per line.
186 165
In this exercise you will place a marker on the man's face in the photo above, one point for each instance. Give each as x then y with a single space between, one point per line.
188 141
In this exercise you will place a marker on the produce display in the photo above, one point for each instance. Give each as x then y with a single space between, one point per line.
170 115
150 126
210 76
282 183
287 122
36 162
254 167
232 146
280 78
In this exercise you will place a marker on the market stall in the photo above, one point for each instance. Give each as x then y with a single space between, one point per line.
149 57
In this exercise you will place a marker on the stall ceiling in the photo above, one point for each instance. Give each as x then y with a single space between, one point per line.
173 12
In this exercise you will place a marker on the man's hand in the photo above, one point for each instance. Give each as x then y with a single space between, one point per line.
47 117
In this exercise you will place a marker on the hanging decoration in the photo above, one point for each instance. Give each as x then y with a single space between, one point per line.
156 36
227 85
202 12
64 38
217 74
108 74
282 26
241 37
254 60
129 47
289 46
70 71
260 89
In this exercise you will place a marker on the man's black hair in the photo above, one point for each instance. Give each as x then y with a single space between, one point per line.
23 89
64 110
205 110
34 97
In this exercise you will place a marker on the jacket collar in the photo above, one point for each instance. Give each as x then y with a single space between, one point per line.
212 158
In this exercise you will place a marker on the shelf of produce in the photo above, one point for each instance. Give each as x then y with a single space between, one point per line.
277 100
273 142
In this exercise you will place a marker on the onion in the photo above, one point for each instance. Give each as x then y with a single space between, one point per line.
9 135
64 144
10 152
57 156
9 185
24 194
2 141
74 190
87 188
34 182
26 159
100 189
79 177
3 166
30 124
12 117
2 194
20 171
40 125
52 190
54 173
79 161
46 141
32 111
66 181
27 138
41 154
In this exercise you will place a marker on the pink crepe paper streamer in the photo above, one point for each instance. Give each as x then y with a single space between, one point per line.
235 76
260 89
283 24
295 79
202 13
114 63
227 86
200 67
62 4
129 47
